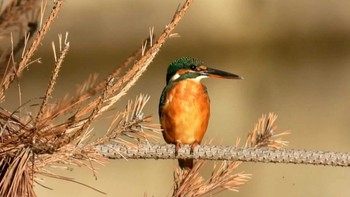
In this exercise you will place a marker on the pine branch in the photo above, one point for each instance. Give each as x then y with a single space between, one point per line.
205 152
26 60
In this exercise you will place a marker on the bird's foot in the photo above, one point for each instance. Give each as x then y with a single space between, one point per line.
193 146
177 147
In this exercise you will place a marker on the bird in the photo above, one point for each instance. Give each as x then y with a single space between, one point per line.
184 106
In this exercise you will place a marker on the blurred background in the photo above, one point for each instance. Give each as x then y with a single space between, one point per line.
293 54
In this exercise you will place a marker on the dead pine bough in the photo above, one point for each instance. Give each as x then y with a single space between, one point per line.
57 130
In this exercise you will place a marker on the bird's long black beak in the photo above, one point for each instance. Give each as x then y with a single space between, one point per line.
215 73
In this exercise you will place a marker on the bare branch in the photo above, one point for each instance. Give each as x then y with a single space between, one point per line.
204 152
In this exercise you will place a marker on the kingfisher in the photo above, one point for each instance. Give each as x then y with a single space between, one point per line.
184 107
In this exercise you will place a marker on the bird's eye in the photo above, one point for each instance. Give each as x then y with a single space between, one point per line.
192 67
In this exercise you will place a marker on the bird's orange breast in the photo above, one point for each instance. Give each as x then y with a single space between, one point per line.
185 114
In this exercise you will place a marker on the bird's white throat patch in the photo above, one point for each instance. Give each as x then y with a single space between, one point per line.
199 78
176 76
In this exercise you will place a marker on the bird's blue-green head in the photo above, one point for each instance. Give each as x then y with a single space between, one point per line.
191 68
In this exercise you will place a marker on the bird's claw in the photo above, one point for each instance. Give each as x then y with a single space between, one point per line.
177 147
193 146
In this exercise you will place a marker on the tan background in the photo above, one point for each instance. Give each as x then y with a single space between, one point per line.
294 55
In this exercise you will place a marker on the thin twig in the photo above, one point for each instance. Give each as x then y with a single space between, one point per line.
58 63
124 83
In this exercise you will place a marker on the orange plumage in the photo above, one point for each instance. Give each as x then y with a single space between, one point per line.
185 114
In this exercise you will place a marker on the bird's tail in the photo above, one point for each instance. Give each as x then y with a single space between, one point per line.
186 163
